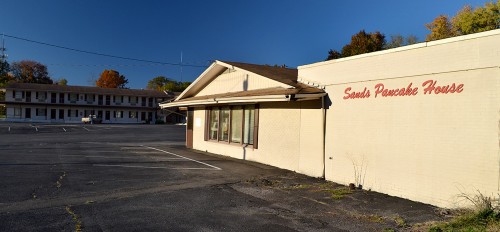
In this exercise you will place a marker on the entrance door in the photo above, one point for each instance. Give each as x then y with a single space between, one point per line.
108 115
189 128
61 114
28 113
52 113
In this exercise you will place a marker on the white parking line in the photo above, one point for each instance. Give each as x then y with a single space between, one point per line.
64 129
217 168
85 128
137 166
9 128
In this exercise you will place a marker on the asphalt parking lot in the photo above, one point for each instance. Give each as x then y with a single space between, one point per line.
141 178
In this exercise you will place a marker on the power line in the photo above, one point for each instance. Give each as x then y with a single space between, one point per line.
102 54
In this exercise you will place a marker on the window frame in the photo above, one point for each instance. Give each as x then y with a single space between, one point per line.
243 108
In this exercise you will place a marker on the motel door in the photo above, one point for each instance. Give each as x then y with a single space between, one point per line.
189 128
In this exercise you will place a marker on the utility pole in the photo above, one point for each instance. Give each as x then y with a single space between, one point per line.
3 56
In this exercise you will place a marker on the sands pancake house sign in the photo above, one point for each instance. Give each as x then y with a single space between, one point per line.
429 87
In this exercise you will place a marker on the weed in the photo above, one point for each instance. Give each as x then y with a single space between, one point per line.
400 222
74 216
59 181
485 216
375 218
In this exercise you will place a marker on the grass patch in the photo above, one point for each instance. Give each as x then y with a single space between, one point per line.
339 193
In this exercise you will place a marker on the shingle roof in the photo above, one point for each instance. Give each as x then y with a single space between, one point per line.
87 90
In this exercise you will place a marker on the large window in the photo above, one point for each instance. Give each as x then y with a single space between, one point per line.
234 125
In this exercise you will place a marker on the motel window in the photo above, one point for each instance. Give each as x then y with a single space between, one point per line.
118 114
234 125
41 112
17 112
132 114
73 97
18 94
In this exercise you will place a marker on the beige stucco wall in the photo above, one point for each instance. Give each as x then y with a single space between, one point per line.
238 80
427 147
290 137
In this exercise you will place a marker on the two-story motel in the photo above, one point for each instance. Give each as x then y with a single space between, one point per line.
68 104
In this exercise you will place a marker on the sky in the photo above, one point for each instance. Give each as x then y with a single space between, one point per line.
290 32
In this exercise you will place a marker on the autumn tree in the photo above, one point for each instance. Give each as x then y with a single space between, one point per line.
111 79
469 20
29 71
162 83
361 43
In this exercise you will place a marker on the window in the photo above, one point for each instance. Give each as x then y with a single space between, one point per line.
73 97
236 124
17 112
132 114
41 112
118 114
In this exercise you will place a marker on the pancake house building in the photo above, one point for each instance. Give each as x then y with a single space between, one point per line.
420 122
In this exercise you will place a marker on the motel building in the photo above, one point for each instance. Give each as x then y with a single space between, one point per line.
27 102
420 122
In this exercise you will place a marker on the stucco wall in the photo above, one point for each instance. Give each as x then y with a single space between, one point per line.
288 137
425 147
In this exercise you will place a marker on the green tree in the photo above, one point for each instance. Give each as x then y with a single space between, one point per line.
4 72
333 54
111 79
62 81
361 43
469 20
157 83
162 83
29 71
399 41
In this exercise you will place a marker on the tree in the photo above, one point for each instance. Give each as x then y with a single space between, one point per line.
62 81
29 71
396 41
469 20
411 39
111 79
333 54
441 28
162 83
4 72
157 83
399 41
361 43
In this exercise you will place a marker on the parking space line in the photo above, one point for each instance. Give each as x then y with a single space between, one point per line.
137 166
85 128
217 168
64 129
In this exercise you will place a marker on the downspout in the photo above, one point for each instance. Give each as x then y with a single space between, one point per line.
323 108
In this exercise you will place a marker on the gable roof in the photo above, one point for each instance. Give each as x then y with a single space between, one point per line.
287 76
86 89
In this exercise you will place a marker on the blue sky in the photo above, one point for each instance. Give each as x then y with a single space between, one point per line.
291 32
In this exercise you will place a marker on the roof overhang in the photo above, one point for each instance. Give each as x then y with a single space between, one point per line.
243 100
